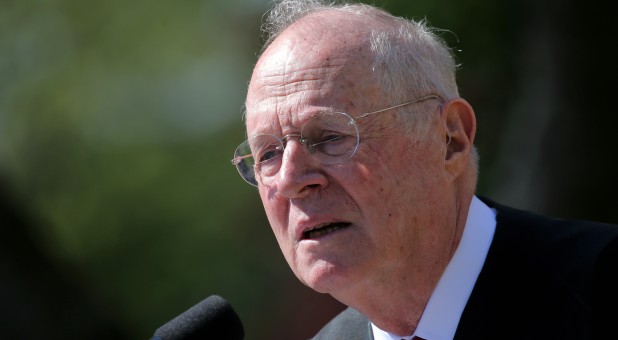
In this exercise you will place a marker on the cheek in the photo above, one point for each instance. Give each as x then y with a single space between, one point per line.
276 208
400 188
384 176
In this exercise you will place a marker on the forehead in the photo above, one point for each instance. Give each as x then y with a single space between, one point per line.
308 69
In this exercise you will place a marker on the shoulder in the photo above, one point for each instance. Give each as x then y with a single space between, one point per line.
550 234
564 268
349 324
561 248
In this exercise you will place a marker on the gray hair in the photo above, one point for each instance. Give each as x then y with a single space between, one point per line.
410 59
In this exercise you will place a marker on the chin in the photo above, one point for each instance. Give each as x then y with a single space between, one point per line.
324 277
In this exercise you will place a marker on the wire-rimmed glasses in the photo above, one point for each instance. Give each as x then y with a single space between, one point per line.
329 137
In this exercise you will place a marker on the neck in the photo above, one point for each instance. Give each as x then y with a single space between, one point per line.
395 300
395 306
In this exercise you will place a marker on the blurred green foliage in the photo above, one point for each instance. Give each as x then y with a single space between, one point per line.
118 120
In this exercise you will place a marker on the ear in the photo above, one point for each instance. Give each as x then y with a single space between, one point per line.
460 129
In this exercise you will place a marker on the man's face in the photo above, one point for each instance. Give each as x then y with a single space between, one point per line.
380 213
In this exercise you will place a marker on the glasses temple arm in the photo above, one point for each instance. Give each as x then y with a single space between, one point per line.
431 96
238 159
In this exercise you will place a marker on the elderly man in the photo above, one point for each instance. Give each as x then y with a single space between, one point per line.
362 152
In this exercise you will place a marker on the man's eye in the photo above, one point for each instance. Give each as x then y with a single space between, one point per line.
332 138
334 143
327 137
269 154
329 140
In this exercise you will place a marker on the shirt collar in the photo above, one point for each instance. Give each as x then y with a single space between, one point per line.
446 304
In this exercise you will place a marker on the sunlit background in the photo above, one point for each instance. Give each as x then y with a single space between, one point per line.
119 207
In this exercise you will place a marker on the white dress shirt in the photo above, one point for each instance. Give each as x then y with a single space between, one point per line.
446 304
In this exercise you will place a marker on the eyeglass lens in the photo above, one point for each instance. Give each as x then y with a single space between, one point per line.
330 137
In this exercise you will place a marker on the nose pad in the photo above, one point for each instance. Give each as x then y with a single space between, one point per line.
308 146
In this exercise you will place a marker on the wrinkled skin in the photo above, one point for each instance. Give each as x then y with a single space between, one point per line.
399 199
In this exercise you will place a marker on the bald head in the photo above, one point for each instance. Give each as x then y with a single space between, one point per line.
407 57
310 45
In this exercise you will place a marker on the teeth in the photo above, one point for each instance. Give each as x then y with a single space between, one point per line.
324 229
318 227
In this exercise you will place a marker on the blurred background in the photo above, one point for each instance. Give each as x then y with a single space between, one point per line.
120 209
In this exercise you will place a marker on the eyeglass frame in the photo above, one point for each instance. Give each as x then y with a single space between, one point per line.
238 159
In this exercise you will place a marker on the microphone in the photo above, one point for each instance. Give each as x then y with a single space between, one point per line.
213 318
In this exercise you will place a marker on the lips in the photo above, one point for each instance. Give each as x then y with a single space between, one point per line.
324 229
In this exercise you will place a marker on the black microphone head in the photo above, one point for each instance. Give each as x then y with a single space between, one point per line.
213 318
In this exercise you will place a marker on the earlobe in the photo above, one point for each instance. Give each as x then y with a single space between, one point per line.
459 128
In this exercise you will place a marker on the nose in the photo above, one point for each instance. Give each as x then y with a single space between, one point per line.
300 173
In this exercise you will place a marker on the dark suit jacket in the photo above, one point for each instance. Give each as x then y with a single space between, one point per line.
543 278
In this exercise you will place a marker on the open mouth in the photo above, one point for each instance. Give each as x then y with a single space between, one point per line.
323 229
